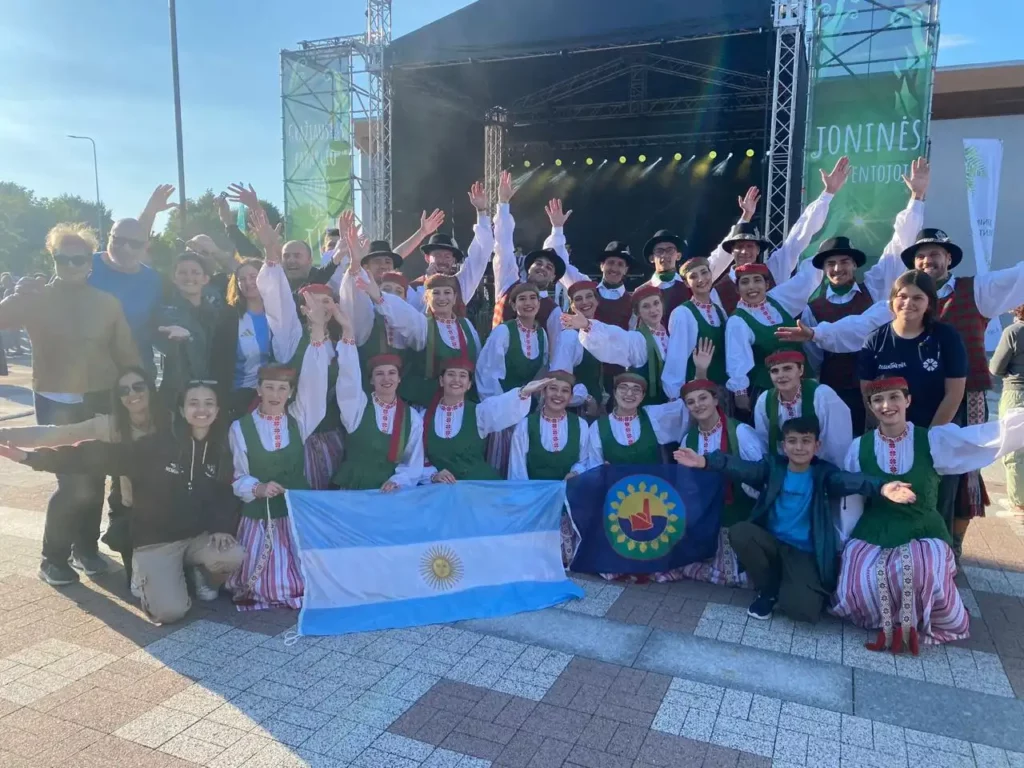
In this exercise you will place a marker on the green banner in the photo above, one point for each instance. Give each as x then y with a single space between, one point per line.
318 145
870 98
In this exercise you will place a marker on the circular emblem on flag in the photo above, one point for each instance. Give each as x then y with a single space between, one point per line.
643 517
441 568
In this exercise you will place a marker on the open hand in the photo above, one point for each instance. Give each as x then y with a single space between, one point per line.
478 196
160 200
246 196
920 178
573 322
800 335
174 332
505 188
444 477
899 493
317 309
8 451
689 458
748 203
367 286
834 181
533 387
703 354
268 490
555 214
430 224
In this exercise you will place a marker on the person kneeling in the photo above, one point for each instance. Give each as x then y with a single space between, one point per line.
788 545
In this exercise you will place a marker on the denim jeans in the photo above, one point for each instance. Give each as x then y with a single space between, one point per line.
75 509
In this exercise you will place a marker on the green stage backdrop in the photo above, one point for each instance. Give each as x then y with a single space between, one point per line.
871 79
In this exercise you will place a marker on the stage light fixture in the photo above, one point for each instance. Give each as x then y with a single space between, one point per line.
677 156
526 163
558 163
750 153
712 154
590 161
622 159
642 158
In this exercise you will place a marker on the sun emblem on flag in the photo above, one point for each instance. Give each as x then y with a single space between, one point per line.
644 517
441 568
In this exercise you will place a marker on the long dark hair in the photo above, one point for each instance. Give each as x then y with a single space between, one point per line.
218 429
158 415
923 282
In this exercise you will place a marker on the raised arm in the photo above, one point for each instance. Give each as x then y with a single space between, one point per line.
279 306
158 202
428 226
999 291
310 404
352 400
506 272
478 256
508 409
556 241
96 428
719 259
844 335
843 483
358 303
92 457
752 473
880 278
490 366
956 450
796 292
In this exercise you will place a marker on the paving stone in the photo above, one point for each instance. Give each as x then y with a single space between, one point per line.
520 750
190 749
791 746
550 754
472 746
156 727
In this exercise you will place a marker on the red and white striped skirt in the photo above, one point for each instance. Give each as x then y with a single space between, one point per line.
324 453
270 577
935 608
723 568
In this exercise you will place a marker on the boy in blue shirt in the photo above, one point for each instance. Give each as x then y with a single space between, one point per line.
789 547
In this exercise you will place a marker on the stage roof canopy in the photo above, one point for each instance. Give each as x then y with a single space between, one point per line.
495 29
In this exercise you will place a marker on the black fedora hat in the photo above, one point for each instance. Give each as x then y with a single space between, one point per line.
837 246
930 236
439 241
550 255
744 231
382 248
663 236
619 250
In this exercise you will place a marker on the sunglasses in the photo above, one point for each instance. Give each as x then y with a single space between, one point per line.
77 261
128 241
138 387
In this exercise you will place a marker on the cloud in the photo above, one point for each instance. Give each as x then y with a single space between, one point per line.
954 41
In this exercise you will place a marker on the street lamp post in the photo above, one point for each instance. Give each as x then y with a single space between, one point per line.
96 174
177 110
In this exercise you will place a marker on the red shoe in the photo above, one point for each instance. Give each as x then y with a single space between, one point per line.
915 646
897 640
879 644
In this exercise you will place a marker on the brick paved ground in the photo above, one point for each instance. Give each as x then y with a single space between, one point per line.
631 676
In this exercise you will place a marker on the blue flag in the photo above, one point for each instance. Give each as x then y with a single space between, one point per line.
644 519
428 555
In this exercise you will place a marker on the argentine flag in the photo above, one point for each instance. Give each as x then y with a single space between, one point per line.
428 555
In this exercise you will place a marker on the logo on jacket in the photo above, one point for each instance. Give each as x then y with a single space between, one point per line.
643 521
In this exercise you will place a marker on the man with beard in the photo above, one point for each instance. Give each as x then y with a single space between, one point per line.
550 444
588 390
745 245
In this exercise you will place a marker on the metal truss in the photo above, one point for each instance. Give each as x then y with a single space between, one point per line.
646 140
495 128
739 101
378 38
789 18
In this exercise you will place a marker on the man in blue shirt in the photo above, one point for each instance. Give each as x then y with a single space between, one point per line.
789 545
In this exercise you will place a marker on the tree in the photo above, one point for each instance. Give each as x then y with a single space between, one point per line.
74 208
23 227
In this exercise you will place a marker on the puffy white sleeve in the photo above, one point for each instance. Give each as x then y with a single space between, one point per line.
490 364
783 261
682 340
568 354
279 306
553 328
739 353
357 305
670 421
880 278
847 334
999 291
243 483
836 424
506 271
409 471
595 451
556 242
814 354
404 320
750 444
719 261
761 423
352 400
517 452
414 297
956 450
610 344
310 404
477 257
497 413
796 292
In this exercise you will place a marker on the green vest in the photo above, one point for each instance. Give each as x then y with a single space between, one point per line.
646 450
651 370
286 467
369 459
765 342
738 505
464 454
419 378
705 330
771 406
886 524
377 344
519 369
542 464
332 419
590 374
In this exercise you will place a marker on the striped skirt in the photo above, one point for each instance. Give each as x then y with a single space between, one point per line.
270 576
933 604
723 568
499 445
324 452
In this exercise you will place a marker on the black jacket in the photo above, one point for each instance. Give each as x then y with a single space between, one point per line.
180 488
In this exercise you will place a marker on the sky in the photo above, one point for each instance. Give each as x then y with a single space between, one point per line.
102 68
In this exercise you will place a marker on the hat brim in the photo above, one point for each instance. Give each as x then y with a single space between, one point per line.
396 260
956 253
859 258
650 245
729 243
628 258
426 250
557 262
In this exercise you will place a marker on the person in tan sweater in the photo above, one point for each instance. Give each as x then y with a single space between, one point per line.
80 340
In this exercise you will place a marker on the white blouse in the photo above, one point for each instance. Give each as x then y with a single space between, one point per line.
569 354
308 409
833 418
352 402
478 256
412 326
610 344
554 434
669 422
683 335
490 365
279 306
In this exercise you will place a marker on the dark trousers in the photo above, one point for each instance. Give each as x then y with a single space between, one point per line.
780 569
75 509
855 402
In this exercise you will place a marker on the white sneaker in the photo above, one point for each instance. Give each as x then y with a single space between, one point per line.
135 588
204 591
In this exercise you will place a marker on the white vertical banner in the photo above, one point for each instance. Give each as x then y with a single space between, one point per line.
983 162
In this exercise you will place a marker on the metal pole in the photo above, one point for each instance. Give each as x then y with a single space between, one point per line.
95 172
177 112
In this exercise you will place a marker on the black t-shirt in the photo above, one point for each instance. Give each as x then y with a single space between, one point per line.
925 362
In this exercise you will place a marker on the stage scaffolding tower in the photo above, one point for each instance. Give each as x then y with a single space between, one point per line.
495 128
790 19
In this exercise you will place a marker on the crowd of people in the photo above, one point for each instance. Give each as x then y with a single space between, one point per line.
847 417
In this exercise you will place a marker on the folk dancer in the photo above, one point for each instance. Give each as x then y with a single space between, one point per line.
698 319
588 392
788 544
267 446
664 250
793 395
514 354
550 443
897 569
455 428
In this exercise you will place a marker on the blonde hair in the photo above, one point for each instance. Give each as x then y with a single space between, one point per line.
64 231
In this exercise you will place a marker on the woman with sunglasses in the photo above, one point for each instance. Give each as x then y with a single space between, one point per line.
183 509
80 340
